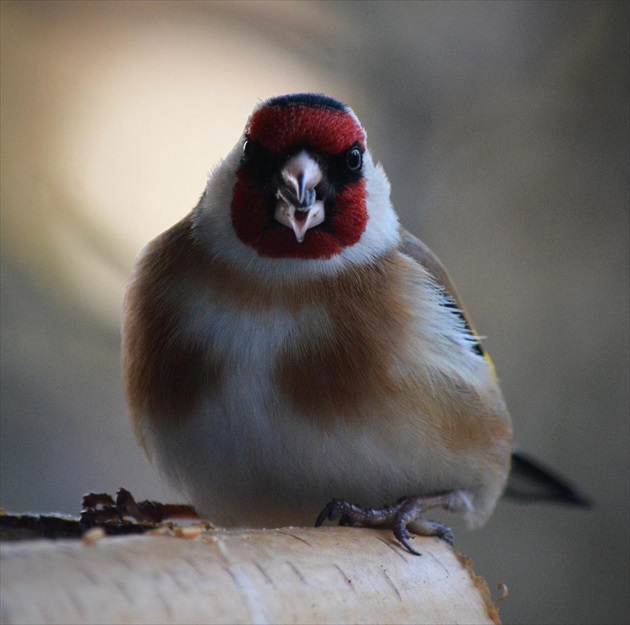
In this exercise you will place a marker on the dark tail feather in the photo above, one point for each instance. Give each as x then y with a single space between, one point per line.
531 481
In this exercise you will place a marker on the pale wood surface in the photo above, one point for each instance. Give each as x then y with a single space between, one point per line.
289 575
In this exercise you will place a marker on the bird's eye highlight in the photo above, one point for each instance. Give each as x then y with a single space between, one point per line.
354 159
248 148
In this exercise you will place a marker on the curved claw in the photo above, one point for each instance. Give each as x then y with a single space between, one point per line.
331 511
403 536
446 534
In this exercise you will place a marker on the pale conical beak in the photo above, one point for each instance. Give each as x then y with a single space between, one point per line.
298 207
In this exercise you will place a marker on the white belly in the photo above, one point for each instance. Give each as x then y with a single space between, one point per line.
247 456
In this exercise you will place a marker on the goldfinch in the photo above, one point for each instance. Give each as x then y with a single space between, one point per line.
288 343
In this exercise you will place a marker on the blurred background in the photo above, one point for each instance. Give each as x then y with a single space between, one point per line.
503 127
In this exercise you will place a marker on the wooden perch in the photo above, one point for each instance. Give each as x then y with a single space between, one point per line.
288 575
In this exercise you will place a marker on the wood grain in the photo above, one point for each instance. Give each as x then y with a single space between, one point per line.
288 575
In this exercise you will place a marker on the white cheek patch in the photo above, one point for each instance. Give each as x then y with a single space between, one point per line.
382 232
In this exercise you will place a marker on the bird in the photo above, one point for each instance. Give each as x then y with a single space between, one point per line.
290 352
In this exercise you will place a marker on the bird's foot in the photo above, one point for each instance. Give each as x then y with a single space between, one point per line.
399 516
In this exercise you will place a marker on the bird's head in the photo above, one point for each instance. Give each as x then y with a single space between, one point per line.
304 185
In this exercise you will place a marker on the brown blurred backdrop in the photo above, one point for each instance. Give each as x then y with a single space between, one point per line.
503 127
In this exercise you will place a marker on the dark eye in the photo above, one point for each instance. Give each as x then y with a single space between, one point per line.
354 159
248 148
